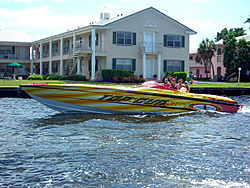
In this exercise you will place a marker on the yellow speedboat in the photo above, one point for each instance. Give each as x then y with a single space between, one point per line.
148 98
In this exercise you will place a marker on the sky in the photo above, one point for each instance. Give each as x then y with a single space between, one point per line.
44 18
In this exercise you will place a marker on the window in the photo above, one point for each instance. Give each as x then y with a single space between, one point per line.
219 55
173 65
124 38
150 23
124 64
174 41
5 50
54 67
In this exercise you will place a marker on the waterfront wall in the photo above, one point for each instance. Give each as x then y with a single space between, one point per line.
18 92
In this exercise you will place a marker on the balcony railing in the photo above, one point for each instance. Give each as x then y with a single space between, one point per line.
151 47
9 56
86 46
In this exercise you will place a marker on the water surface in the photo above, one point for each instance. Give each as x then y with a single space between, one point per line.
42 147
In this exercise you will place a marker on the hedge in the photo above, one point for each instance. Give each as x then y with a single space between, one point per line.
109 74
177 75
35 77
57 77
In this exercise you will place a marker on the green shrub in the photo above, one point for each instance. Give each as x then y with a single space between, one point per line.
35 77
177 75
76 77
46 76
109 74
63 78
53 77
133 79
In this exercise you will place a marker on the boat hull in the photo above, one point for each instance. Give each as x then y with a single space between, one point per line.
123 100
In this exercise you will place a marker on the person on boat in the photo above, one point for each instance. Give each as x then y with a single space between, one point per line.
179 86
187 87
173 84
166 82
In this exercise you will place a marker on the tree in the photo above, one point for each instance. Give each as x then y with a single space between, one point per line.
205 53
236 54
247 21
198 59
244 57
237 32
230 59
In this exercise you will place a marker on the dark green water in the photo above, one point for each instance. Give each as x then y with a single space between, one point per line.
41 147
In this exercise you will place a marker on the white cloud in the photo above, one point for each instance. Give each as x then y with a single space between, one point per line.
193 1
108 5
39 21
30 1
200 25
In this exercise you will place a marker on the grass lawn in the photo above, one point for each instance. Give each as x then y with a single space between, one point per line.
16 83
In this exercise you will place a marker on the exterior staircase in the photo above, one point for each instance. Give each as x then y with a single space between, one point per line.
71 63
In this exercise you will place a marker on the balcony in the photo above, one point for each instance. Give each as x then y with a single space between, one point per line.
86 46
150 48
9 56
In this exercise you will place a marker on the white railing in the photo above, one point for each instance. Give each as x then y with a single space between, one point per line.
9 56
86 46
151 47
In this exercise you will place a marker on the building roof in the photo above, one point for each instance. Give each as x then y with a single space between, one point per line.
123 16
107 22
14 36
247 37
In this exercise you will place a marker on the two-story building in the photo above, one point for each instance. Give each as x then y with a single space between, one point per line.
14 47
148 42
219 70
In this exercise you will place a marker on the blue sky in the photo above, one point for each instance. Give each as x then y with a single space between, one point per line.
43 18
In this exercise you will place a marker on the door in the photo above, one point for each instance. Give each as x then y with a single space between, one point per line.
149 39
102 42
149 67
22 52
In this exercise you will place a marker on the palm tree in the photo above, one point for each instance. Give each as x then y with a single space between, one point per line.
206 51
198 59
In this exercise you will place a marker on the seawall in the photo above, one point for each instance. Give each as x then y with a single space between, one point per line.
231 91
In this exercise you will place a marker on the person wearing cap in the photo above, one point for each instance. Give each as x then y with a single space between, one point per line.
179 86
173 84
187 87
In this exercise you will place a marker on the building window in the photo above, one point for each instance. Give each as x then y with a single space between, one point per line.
5 50
174 41
54 67
191 57
173 66
150 23
219 55
124 38
124 64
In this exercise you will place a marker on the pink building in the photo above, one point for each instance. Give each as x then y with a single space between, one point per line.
199 70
